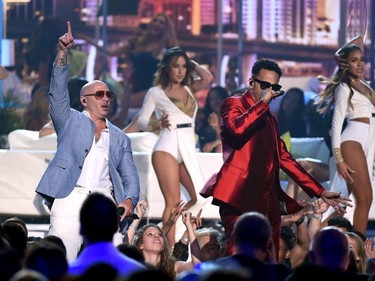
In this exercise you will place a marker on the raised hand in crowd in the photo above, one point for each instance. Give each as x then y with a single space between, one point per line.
370 248
297 216
176 211
319 207
192 224
141 210
297 254
181 247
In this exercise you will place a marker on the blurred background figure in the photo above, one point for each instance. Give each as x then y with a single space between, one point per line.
42 50
142 55
37 111
291 115
209 131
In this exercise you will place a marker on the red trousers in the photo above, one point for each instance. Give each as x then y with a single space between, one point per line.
229 215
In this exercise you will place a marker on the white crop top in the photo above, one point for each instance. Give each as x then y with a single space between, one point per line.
361 107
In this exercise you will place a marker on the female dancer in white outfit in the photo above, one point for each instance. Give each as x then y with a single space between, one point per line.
173 158
354 148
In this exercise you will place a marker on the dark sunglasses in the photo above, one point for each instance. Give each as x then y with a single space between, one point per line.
265 85
99 95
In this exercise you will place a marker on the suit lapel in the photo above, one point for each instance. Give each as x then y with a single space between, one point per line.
247 100
113 139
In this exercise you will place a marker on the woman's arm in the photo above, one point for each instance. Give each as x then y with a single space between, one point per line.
130 233
47 130
342 93
340 107
206 77
120 50
147 109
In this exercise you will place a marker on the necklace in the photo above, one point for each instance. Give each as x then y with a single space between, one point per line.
172 87
354 80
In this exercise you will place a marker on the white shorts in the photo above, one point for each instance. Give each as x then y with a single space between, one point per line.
356 131
168 142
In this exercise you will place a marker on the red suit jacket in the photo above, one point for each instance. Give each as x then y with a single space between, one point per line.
253 155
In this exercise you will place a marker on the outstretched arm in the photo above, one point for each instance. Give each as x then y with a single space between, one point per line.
336 200
111 52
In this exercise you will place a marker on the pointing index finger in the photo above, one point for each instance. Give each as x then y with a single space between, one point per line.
69 28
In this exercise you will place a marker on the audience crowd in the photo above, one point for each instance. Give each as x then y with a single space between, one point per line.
306 249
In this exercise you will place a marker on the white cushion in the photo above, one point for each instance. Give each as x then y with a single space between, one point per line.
29 140
142 141
315 148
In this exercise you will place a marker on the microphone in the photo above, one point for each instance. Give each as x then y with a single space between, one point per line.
124 225
278 94
121 211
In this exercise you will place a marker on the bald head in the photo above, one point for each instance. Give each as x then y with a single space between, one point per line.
93 86
330 249
252 229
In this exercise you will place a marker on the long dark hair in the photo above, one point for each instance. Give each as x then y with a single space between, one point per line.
166 262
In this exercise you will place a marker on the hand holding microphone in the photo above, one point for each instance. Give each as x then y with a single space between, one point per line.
278 94
268 95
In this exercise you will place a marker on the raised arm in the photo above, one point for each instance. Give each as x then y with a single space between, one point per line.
130 233
58 95
206 77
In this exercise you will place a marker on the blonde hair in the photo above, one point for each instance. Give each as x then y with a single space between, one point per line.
146 38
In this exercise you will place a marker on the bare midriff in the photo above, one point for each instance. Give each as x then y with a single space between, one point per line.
362 119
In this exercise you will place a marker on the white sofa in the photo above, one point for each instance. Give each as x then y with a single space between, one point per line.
22 166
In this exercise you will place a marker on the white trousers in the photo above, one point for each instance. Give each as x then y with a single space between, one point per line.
64 220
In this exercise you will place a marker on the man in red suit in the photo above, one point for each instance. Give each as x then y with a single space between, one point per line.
253 155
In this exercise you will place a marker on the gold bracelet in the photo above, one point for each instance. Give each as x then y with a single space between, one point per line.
338 156
155 125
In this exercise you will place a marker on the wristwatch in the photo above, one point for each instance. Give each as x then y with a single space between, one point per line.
185 240
318 217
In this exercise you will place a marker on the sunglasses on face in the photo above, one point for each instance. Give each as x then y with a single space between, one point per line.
99 95
265 85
